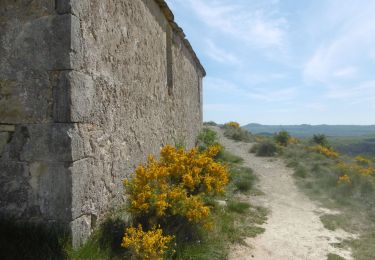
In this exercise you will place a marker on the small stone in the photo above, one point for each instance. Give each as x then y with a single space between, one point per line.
221 203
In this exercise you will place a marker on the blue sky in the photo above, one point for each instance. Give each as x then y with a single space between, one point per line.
284 61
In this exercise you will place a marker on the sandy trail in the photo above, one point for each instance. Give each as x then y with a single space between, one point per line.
293 228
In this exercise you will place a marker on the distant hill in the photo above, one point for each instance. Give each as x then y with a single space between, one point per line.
309 130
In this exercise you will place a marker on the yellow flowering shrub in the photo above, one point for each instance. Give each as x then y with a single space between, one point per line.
174 184
171 190
259 139
293 140
366 171
361 160
233 124
344 179
347 168
326 151
146 245
344 167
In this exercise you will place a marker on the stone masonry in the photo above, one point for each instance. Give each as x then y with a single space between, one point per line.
88 88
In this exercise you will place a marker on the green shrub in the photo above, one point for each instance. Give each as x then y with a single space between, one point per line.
331 256
243 185
206 138
266 149
343 183
210 123
237 134
320 139
243 178
282 138
254 148
238 207
301 172
225 156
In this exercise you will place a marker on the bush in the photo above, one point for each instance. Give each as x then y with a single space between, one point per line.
170 193
238 134
146 245
301 172
326 151
282 138
232 124
362 160
266 149
254 148
227 157
206 138
320 139
210 123
243 178
238 207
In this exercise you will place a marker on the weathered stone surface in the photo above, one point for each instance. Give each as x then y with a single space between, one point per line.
50 190
92 87
46 142
29 50
63 6
75 98
7 128
4 138
13 188
81 230
25 9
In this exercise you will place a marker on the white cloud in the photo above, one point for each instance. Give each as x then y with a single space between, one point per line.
349 43
316 106
218 54
279 95
342 63
256 78
257 27
364 91
212 84
224 87
347 72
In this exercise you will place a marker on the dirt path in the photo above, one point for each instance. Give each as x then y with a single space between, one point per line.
293 228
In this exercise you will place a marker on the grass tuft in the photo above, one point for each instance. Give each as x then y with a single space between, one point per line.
227 157
331 256
266 149
238 207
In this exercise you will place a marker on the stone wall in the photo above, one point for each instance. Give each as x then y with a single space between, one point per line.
88 89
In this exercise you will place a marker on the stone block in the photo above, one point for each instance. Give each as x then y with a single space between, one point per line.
63 6
38 45
46 142
30 50
25 101
83 188
75 98
13 188
81 230
49 190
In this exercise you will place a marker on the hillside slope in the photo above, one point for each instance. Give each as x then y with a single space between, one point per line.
293 229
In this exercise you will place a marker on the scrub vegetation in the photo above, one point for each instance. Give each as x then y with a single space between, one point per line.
340 182
185 205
